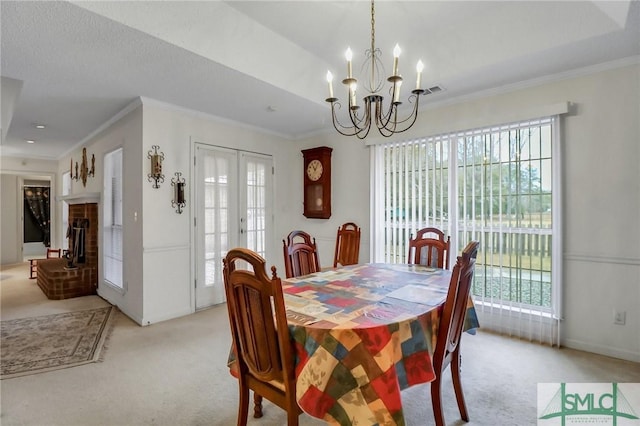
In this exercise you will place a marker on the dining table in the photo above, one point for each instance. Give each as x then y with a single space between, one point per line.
363 333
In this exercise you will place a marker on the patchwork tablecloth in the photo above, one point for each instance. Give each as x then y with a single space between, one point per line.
363 333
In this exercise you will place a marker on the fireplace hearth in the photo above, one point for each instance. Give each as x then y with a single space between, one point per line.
76 275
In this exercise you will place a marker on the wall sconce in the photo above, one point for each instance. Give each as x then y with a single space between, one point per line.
82 171
156 166
178 192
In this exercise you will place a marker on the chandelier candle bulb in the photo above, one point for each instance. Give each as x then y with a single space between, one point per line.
419 68
396 55
352 91
349 55
396 92
330 81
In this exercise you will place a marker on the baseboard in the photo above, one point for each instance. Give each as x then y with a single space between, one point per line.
602 350
148 320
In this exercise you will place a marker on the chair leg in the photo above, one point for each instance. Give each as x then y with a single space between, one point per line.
257 405
457 386
243 406
436 402
293 412
292 419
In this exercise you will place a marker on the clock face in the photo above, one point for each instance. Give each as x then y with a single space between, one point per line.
314 170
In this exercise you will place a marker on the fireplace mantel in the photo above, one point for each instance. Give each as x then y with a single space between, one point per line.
84 198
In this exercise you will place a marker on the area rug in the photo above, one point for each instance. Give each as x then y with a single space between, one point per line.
51 342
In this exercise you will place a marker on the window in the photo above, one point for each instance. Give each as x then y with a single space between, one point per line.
494 185
112 213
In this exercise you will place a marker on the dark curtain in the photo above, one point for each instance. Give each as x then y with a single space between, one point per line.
37 200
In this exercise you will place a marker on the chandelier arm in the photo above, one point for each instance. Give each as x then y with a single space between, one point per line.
383 124
412 117
342 129
336 123
382 120
367 117
364 124
353 116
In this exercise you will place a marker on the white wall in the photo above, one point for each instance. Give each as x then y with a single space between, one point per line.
125 132
167 252
601 194
9 219
349 194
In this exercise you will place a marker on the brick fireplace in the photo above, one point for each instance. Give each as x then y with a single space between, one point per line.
55 278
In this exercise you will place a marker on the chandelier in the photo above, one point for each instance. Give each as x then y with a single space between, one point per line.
362 119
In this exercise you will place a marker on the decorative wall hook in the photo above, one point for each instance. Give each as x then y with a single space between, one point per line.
84 170
75 176
178 183
156 166
92 170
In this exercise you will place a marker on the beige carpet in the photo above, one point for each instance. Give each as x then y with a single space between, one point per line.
50 342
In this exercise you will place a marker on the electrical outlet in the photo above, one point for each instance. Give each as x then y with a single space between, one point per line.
619 317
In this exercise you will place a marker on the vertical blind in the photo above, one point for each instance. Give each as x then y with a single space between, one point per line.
499 186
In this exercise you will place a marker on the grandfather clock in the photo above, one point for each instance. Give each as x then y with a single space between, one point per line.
317 182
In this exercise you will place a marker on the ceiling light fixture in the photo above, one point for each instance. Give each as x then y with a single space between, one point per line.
31 141
39 126
387 122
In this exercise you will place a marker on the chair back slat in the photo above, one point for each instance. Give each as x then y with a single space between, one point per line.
430 248
300 254
347 245
256 328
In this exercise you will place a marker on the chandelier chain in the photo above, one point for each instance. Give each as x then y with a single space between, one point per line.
373 27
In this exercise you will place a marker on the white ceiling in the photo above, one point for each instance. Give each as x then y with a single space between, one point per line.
73 65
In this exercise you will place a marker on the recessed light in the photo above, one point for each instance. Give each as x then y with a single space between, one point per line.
39 126
31 141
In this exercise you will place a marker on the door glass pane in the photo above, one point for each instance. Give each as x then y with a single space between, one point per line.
216 170
256 168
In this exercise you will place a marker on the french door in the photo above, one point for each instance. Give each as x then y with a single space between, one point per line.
234 202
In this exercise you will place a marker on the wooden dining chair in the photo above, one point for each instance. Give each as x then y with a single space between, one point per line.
263 349
300 254
430 248
447 350
52 253
347 245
